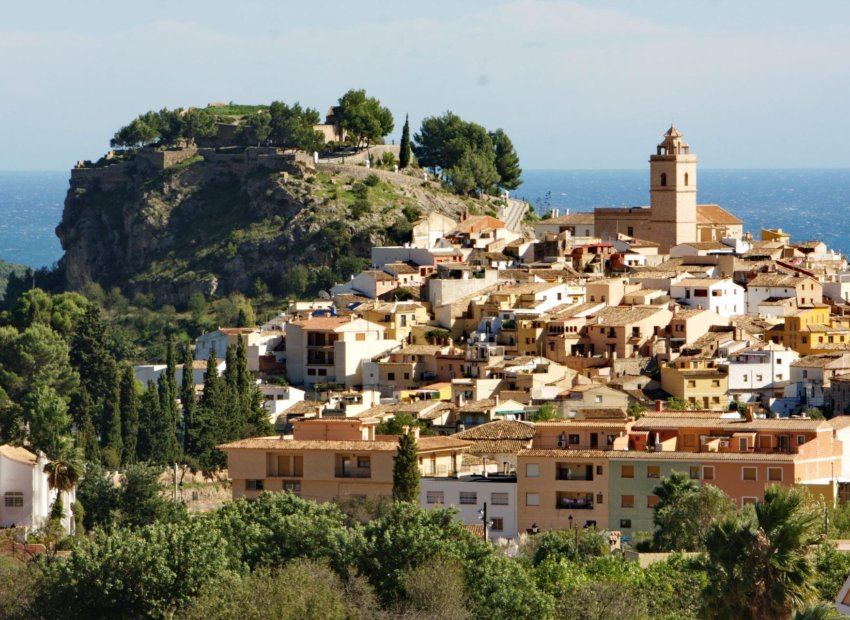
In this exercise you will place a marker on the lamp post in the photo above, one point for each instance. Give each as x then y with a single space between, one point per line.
570 519
482 514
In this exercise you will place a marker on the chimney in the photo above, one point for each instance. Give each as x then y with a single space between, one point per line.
416 433
497 400
405 430
659 405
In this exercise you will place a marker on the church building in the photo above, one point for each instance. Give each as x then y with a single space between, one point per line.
673 215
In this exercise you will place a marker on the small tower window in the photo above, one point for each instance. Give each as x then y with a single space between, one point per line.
686 179
663 179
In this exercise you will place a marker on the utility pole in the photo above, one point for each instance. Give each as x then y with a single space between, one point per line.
483 515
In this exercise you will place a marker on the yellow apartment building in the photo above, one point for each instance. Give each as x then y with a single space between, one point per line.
810 331
398 318
698 381
328 458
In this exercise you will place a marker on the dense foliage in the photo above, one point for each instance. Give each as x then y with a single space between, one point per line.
471 160
364 118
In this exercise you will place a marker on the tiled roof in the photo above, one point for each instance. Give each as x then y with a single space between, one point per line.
698 457
17 453
775 280
701 281
322 322
619 316
715 214
573 423
499 446
425 444
500 429
649 422
571 218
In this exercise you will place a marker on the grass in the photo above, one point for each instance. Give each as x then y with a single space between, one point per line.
236 109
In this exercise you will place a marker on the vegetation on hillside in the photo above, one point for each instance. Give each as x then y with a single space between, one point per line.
145 558
470 159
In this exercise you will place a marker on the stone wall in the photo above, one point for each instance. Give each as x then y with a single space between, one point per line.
108 178
161 160
361 172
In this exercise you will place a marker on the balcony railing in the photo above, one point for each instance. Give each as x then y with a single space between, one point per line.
354 474
566 503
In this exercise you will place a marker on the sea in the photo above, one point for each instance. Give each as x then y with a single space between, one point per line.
807 203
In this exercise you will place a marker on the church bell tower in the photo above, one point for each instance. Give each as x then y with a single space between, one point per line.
673 191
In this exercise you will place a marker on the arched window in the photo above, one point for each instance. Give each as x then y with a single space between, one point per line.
663 179
686 179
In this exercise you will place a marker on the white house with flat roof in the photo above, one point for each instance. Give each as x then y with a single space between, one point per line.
719 295
468 494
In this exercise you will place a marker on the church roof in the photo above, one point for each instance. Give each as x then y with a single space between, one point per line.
672 132
715 214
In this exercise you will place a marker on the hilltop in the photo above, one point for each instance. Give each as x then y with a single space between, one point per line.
175 222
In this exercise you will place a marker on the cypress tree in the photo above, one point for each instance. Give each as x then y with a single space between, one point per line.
113 447
210 425
148 412
187 398
173 411
164 447
233 416
87 438
406 470
404 150
255 417
91 358
129 402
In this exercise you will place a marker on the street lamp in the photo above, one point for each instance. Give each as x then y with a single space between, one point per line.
482 515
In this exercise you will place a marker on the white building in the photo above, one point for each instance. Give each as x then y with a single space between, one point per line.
805 291
279 398
719 295
332 349
762 371
151 372
468 494
27 497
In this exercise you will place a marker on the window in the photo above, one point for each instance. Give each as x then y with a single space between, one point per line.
686 179
630 231
574 439
774 474
748 473
468 497
532 470
716 382
651 501
497 524
599 470
801 439
749 500
759 378
692 384
599 498
434 497
292 486
532 499
499 499
13 499
363 462
663 182
254 485
625 524
598 398
627 501
653 471
694 472
708 472
407 375
742 444
390 376
627 471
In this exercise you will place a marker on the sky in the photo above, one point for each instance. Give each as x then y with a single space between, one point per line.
576 84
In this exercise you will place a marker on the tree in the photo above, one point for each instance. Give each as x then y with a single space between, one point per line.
65 468
507 160
101 497
364 118
406 470
46 416
148 413
292 127
141 499
546 411
91 358
129 406
112 437
678 404
200 123
210 426
758 563
187 397
685 511
404 146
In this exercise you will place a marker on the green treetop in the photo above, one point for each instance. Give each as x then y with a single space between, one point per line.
404 148
406 469
364 118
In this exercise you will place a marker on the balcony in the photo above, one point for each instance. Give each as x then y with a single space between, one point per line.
574 501
573 471
355 473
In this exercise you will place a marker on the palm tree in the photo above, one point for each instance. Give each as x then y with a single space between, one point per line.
64 471
821 611
758 563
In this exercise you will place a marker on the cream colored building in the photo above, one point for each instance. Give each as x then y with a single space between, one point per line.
673 216
328 458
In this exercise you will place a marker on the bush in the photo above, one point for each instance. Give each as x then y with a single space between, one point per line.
373 180
388 160
360 208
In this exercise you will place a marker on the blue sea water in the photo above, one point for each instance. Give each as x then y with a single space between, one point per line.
30 209
806 203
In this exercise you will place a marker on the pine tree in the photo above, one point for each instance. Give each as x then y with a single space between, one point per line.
187 398
406 469
404 150
129 403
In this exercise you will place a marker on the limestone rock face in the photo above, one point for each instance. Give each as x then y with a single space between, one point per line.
214 226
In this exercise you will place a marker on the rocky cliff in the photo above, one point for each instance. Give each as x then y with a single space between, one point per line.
215 223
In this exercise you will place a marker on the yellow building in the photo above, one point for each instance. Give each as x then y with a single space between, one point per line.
698 381
530 336
810 331
398 317
329 458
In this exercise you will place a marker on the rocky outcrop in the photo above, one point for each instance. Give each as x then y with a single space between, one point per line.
215 225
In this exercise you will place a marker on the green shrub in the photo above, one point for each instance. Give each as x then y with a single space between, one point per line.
372 180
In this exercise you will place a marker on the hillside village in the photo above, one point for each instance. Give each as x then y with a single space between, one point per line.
554 376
